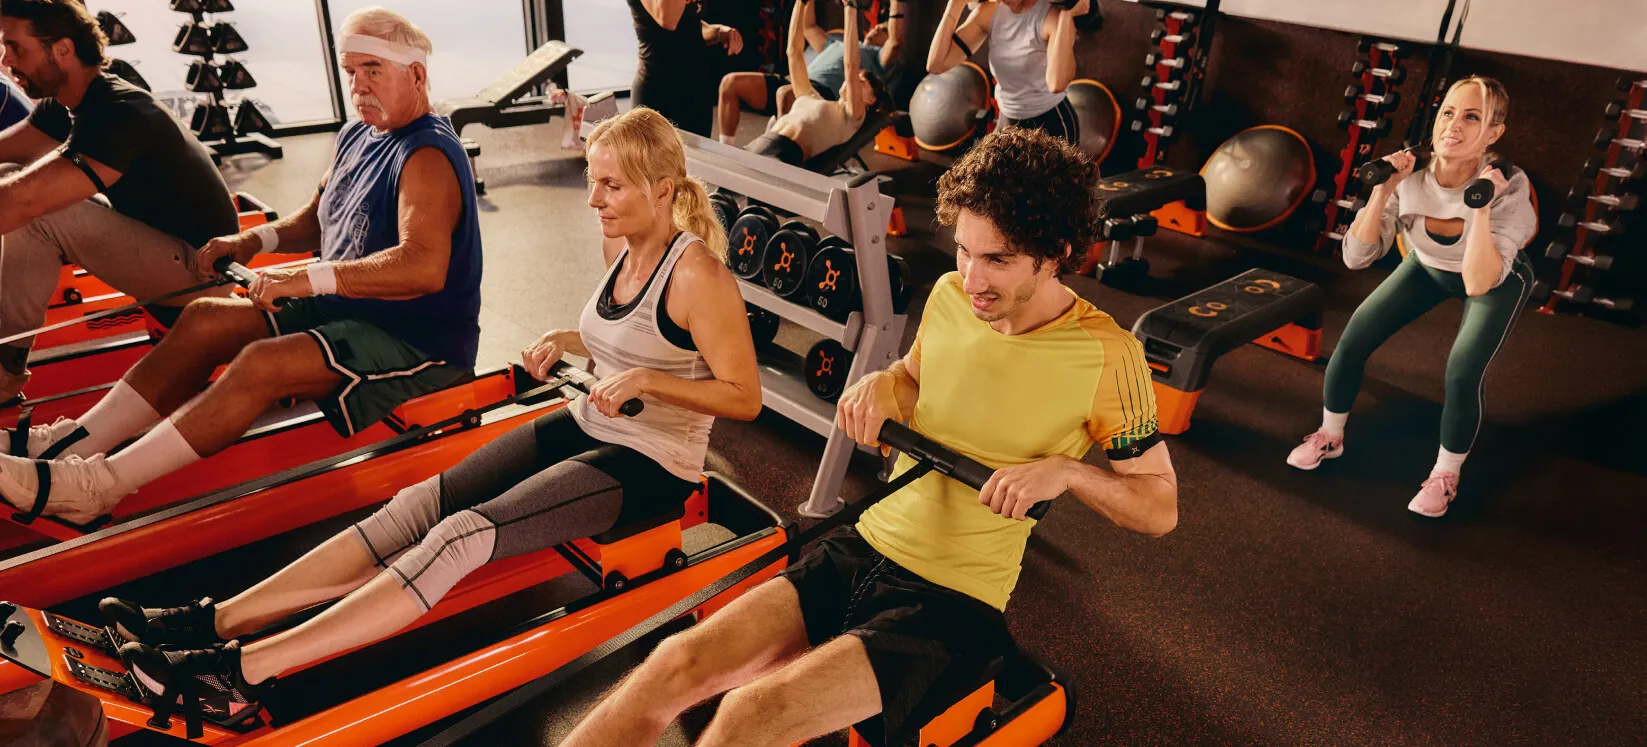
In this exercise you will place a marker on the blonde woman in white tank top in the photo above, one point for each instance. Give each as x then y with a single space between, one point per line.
666 325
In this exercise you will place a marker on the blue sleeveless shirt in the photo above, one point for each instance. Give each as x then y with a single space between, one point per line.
360 216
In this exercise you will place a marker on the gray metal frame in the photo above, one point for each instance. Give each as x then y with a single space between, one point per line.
853 208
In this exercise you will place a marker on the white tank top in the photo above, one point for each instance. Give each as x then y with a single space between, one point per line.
673 436
1018 59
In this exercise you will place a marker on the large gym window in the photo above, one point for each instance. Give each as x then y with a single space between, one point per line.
605 31
475 40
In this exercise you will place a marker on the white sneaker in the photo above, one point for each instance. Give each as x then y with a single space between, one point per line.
41 437
80 490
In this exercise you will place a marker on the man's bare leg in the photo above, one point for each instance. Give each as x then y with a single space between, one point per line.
830 688
265 372
209 333
753 635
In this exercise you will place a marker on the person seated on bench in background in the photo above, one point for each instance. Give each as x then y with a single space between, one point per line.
880 54
574 473
672 77
887 625
815 124
1031 55
391 313
93 133
1454 251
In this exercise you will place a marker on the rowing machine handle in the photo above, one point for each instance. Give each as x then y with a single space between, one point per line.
241 275
586 381
964 469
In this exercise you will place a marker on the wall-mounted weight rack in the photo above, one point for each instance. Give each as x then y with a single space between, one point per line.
248 129
1598 208
1176 70
872 331
119 35
1369 115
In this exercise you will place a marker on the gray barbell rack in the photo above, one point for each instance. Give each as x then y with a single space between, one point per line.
853 208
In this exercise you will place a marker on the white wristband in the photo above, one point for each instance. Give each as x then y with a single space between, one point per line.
267 234
323 279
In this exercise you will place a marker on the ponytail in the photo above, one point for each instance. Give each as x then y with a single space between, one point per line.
694 213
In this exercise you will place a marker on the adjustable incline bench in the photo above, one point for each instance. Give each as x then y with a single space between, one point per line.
498 105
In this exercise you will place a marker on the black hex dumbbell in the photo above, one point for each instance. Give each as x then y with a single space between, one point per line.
1365 46
1159 36
1608 136
1164 131
1379 127
1580 194
1392 75
1154 58
1323 197
1560 250
1169 85
1389 101
1147 104
1569 220
1595 166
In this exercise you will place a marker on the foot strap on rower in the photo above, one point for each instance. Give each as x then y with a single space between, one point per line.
166 704
41 493
56 450
20 433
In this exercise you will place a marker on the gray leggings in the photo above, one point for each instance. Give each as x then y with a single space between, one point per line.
542 484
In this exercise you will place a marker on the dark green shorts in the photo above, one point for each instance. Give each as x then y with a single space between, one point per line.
379 370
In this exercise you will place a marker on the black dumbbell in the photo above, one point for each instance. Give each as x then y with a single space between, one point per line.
226 40
217 6
1595 166
1147 104
726 209
1480 192
1155 58
1615 109
1323 197
1569 220
1607 136
186 6
193 39
1392 75
1164 132
1560 250
114 29
1379 127
1162 14
1388 101
763 324
746 242
826 367
1159 36
210 122
1118 229
1580 194
832 279
1169 85
235 76
202 78
788 252
1625 82
1394 50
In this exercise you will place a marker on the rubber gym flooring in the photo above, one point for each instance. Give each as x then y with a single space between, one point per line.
1287 607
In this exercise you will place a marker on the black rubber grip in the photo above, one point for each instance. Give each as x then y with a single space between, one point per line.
964 469
241 275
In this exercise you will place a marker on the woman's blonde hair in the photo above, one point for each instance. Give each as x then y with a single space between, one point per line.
648 151
1495 100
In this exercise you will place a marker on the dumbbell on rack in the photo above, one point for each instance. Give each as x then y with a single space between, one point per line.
726 210
1379 127
832 280
1366 46
1615 109
1569 220
1160 36
1183 17
1166 85
1579 195
1155 58
1392 75
746 242
1560 250
1596 166
788 253
1388 101
1146 105
763 324
827 363
1582 295
1164 132
1321 197
1118 270
1606 137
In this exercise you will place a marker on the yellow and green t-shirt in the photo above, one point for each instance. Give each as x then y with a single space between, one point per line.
1004 400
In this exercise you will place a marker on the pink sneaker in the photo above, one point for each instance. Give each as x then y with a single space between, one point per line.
1437 492
1316 447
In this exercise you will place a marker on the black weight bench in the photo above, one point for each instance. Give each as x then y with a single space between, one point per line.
1182 339
498 104
836 159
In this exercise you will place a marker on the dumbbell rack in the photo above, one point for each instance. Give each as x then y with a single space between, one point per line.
1597 205
855 209
246 132
1176 70
1373 100
118 35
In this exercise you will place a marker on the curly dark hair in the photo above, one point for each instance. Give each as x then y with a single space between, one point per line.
1038 191
62 19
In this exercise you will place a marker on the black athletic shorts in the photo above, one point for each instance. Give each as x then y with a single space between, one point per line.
929 645
1059 121
773 145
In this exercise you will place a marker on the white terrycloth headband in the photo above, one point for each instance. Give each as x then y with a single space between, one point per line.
388 50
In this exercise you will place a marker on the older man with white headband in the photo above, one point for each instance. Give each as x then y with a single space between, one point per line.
389 313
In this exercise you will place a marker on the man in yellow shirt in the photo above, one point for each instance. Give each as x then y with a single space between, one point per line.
887 624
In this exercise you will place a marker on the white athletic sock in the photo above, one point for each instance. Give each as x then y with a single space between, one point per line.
119 415
158 453
1446 461
729 139
1333 422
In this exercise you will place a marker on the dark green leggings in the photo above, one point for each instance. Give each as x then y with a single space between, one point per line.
1404 296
